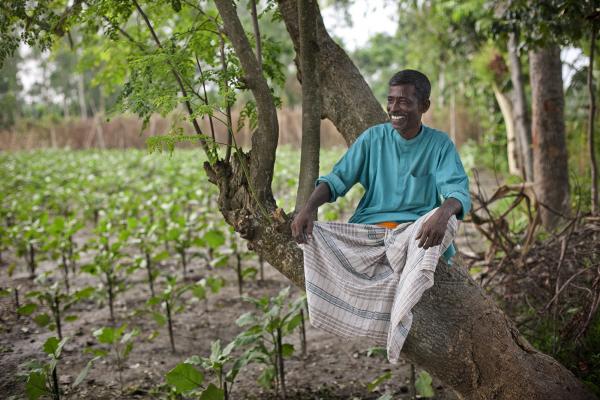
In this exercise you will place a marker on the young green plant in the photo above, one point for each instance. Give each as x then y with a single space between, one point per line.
120 344
42 378
264 334
50 296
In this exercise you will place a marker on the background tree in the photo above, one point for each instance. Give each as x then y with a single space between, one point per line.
10 86
543 34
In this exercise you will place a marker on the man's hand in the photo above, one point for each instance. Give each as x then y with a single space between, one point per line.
302 226
433 230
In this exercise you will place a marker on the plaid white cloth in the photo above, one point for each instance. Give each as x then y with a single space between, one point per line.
363 280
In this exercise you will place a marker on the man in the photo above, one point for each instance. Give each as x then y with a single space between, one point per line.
414 185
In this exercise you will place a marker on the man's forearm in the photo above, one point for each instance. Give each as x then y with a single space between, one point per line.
319 196
451 207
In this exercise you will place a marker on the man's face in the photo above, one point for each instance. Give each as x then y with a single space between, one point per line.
404 109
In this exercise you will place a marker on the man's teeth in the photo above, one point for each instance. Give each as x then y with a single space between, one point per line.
397 117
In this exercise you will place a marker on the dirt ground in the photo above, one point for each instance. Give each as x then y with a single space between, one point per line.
331 369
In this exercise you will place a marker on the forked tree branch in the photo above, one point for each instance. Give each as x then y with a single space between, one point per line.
264 140
340 80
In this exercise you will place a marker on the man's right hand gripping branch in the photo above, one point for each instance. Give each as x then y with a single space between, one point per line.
302 226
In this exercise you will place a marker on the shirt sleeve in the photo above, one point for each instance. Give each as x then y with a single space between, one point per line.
347 171
451 179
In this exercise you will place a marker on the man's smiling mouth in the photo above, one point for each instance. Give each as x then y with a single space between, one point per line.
398 118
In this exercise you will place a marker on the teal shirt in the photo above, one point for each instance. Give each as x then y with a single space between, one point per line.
403 179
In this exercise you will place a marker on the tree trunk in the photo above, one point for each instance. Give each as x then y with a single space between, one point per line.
591 117
459 334
81 96
550 166
520 112
509 121
311 102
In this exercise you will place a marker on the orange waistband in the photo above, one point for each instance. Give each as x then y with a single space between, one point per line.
388 225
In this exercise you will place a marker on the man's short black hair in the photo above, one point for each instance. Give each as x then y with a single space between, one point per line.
415 78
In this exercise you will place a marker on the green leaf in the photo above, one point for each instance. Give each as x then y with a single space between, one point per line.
163 255
215 349
71 318
214 238
266 377
212 393
105 335
423 385
127 349
287 350
249 272
246 319
372 386
84 372
184 377
160 319
294 322
377 352
51 345
199 291
36 385
215 284
98 352
4 292
84 293
152 301
27 309
128 337
220 261
42 319
227 350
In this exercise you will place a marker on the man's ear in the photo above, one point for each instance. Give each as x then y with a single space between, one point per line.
425 106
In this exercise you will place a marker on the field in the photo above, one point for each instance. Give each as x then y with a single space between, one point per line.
117 268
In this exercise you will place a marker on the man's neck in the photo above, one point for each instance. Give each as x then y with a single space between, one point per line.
411 134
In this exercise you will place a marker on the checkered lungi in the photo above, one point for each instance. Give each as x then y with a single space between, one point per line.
363 280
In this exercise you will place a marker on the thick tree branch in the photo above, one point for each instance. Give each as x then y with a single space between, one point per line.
340 80
311 101
264 140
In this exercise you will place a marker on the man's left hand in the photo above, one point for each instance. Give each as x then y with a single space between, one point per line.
433 230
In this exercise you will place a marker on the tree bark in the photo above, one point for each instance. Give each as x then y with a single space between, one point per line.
509 121
550 163
81 96
520 112
591 118
311 102
459 334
